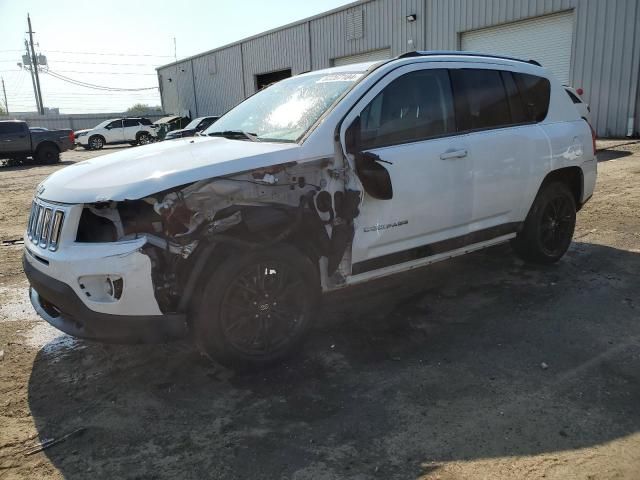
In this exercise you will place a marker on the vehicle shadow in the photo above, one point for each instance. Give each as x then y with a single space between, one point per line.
440 364
11 167
607 155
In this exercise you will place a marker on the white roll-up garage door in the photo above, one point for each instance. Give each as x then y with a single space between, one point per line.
546 39
372 56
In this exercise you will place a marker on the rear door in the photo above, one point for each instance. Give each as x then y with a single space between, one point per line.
504 146
14 137
131 128
113 132
407 122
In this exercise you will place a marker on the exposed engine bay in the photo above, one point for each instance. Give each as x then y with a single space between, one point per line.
306 205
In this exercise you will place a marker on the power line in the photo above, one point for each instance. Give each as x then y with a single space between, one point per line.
118 54
95 87
106 63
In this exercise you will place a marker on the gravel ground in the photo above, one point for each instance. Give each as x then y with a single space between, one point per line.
482 367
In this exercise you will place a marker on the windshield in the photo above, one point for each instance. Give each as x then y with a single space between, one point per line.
103 124
194 123
285 111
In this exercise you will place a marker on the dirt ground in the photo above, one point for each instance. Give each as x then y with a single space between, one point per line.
478 368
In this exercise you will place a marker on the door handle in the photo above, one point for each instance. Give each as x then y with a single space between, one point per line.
454 154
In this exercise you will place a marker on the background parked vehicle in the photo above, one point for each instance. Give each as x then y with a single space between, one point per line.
134 131
170 123
196 125
576 97
18 142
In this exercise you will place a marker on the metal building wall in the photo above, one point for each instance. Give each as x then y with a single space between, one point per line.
605 59
279 50
176 88
606 46
385 26
218 81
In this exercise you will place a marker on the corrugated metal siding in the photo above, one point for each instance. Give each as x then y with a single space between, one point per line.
218 92
606 45
329 33
605 51
177 88
276 51
74 122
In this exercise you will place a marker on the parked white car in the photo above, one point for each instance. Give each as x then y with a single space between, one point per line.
319 182
134 131
583 107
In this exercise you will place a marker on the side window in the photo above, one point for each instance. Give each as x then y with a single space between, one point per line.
481 99
115 124
416 106
130 123
536 93
518 114
145 121
10 128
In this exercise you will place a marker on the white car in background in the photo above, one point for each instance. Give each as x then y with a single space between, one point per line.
576 97
134 131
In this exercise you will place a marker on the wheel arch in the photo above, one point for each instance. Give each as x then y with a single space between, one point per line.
572 177
46 143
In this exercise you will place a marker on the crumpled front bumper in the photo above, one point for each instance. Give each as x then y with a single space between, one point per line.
59 305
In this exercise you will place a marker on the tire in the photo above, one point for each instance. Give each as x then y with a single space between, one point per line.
96 142
549 226
257 306
143 138
47 155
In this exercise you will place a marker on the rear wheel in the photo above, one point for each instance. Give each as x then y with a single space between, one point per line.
47 154
548 229
144 138
257 306
96 142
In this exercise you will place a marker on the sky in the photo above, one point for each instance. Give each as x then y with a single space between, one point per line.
119 43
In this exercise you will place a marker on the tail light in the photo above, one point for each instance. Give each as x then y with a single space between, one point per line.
593 138
72 136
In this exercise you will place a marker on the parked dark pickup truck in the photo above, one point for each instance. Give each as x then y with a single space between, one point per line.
17 142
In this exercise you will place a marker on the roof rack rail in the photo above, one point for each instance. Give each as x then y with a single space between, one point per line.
433 53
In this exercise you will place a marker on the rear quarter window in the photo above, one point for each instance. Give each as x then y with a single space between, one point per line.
536 93
481 99
574 98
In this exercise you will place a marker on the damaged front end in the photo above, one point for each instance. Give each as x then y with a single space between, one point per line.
305 205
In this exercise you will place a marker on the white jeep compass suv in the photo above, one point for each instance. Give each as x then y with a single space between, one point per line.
319 182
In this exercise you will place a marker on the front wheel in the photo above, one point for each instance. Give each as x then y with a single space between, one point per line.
96 142
257 306
548 229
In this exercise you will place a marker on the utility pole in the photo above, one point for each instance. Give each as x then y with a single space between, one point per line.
6 105
33 78
34 65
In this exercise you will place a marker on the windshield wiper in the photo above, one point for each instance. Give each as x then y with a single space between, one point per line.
235 134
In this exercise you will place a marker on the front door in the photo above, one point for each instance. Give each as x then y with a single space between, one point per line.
407 125
14 137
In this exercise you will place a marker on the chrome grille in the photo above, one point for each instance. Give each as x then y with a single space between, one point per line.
45 224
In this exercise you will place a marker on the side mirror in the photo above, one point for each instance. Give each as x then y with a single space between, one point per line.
352 137
374 177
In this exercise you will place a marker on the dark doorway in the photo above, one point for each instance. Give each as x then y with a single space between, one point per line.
265 79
